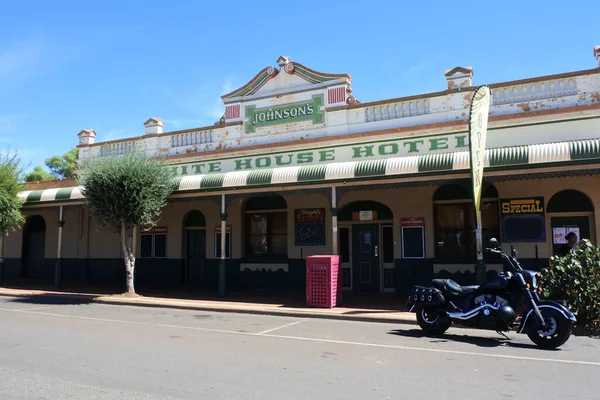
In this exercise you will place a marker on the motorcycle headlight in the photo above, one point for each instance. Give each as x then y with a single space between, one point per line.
533 281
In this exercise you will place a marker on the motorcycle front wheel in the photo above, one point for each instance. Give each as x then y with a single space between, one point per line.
433 322
555 334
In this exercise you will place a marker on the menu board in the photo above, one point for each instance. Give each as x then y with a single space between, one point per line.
523 220
309 226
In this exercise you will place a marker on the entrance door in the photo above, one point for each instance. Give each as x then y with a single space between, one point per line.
195 256
365 258
583 223
34 247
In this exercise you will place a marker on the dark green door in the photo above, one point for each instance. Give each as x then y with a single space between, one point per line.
365 258
583 223
195 256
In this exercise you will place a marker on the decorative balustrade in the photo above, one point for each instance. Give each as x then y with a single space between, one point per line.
117 148
532 91
403 109
192 138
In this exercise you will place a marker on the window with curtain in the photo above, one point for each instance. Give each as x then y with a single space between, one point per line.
454 216
265 228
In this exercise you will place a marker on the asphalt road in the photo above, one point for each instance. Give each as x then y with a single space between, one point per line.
92 351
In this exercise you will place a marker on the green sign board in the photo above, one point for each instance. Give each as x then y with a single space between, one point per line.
342 153
294 112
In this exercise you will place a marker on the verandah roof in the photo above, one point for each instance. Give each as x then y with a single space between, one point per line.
577 151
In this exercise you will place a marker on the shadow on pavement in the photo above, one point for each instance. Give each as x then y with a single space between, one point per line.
45 299
473 340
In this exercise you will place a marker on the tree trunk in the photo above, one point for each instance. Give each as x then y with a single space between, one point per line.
126 241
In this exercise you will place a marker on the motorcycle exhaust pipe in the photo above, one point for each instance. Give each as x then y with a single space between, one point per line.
471 313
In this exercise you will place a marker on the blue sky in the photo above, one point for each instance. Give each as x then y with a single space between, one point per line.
110 65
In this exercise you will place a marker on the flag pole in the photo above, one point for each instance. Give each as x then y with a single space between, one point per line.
478 122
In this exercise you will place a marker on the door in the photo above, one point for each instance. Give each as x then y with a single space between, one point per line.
34 248
365 258
583 223
195 256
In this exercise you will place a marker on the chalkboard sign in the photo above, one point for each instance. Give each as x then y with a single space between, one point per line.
413 242
309 226
523 220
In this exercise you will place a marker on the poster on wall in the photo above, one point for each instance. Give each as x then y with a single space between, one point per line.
560 234
413 237
309 226
523 220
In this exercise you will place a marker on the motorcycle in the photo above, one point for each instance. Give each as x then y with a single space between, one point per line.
494 305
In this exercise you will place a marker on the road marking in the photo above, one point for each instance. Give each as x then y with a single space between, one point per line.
317 340
37 308
281 327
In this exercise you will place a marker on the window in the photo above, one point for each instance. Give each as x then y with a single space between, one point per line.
153 243
344 245
455 227
388 243
227 243
265 228
266 235
454 221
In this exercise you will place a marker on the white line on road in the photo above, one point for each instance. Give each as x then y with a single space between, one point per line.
281 327
343 342
36 308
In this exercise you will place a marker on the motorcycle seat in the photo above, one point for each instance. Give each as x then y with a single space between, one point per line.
451 288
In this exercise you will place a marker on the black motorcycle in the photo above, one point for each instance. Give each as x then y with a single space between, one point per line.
494 305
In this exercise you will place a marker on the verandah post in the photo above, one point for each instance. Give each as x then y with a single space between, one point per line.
334 226
58 264
222 269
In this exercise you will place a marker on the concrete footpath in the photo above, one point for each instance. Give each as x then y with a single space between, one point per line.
250 307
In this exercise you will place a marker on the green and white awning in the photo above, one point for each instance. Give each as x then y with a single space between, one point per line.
579 151
61 194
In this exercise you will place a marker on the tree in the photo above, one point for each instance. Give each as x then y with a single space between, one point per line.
11 175
123 192
39 174
60 167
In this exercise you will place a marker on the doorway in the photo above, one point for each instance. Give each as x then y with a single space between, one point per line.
34 247
195 249
366 267
571 210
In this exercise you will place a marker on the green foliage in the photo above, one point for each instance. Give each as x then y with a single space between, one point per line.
39 174
128 188
63 166
575 278
11 175
60 167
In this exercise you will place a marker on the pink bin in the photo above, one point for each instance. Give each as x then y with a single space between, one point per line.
323 281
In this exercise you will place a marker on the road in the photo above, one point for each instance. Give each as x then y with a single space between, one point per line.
92 351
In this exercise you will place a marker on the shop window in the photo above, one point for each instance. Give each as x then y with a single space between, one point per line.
265 228
345 245
387 242
455 223
153 244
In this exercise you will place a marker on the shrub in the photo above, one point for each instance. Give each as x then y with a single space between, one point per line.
575 278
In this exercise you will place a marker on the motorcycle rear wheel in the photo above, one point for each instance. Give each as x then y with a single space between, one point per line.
433 322
556 333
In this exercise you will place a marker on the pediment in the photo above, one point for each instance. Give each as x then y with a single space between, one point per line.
290 75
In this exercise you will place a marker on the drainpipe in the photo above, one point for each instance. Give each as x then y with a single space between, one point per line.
334 226
222 269
2 234
58 266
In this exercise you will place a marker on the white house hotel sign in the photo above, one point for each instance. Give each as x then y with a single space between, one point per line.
343 153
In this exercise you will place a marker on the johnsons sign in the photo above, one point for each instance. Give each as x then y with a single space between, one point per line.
294 112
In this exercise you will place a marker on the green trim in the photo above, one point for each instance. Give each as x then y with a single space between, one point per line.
370 168
64 194
212 181
312 173
34 196
509 156
312 76
256 83
436 162
259 177
585 149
